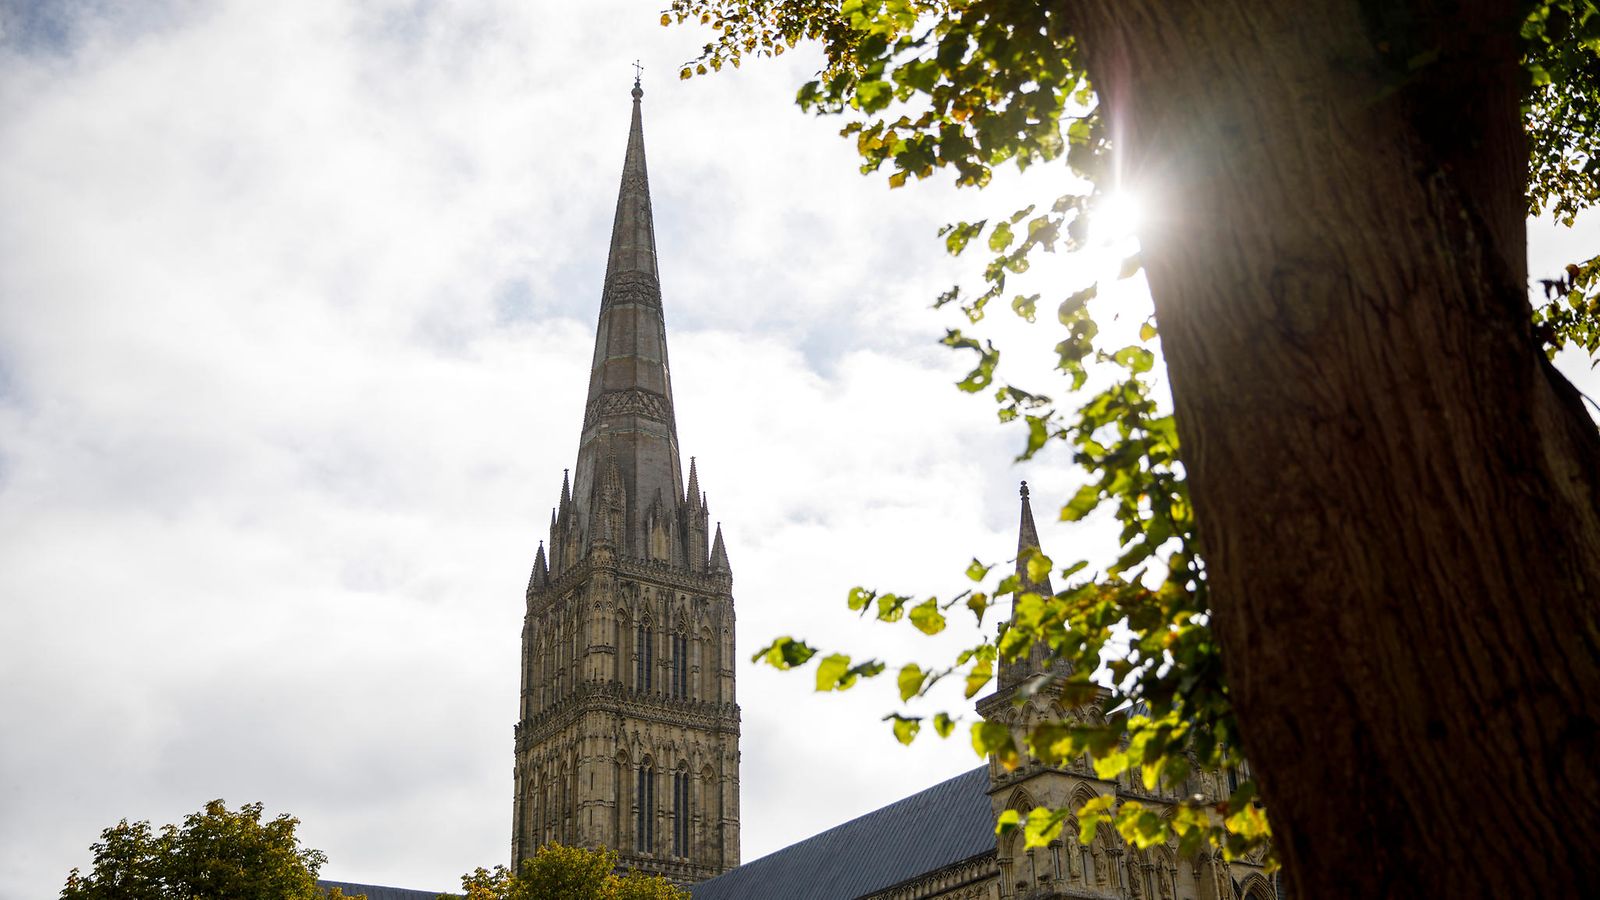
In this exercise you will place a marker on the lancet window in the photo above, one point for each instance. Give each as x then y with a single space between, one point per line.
680 812
644 829
643 659
680 666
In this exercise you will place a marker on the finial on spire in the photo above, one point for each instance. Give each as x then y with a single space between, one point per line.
638 72
1024 490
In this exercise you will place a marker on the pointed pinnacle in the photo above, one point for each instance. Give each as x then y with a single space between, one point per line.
719 555
692 492
541 570
1028 539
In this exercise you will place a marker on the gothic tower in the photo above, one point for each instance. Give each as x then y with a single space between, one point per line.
628 736
1029 691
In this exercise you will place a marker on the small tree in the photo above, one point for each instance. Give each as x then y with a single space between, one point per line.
217 854
557 872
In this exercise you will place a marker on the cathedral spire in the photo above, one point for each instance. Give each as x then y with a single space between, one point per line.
1028 539
629 418
633 232
1038 659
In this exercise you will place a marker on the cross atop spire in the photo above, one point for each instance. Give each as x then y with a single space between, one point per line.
638 71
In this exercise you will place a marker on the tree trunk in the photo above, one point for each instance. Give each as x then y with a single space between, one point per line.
1399 498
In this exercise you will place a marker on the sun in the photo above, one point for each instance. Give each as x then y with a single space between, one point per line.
1115 219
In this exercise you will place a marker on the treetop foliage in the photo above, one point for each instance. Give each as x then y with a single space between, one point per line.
558 872
218 854
968 85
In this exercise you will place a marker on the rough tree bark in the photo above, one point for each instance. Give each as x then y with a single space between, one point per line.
1399 498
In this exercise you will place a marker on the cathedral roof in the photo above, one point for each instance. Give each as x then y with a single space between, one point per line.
377 892
945 824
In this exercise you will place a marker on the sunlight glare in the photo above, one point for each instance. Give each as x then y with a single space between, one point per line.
1115 219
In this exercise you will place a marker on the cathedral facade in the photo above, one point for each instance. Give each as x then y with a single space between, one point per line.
628 733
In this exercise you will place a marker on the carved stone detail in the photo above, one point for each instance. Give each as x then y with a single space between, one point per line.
631 402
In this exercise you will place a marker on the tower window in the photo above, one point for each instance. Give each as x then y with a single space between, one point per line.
680 666
645 826
680 814
644 659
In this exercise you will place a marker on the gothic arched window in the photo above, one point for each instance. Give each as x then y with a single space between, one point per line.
680 811
644 831
708 666
708 808
643 659
680 666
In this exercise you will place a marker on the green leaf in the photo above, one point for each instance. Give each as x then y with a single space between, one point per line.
1082 503
979 604
1043 826
978 571
982 672
994 739
1069 309
1008 821
1110 765
784 653
1135 359
1147 331
891 607
1000 238
905 727
910 681
831 670
1091 814
943 724
1039 566
859 598
926 617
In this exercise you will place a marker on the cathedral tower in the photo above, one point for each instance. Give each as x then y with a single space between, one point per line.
628 735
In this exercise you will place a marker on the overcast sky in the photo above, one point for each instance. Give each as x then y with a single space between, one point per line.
296 305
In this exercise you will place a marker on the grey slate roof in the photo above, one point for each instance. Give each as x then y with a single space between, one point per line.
929 830
378 892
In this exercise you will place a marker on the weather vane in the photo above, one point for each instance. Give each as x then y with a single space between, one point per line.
638 70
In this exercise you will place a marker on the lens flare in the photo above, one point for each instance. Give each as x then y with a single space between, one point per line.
1115 218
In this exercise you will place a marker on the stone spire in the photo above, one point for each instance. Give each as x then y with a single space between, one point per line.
1038 659
628 735
541 571
629 418
1028 539
719 555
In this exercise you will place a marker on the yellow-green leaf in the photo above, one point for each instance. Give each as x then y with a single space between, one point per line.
831 670
926 617
910 680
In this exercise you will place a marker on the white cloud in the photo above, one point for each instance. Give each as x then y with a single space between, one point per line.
295 316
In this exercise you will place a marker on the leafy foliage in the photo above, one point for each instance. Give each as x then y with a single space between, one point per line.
967 85
558 872
218 854
1563 107
1570 315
